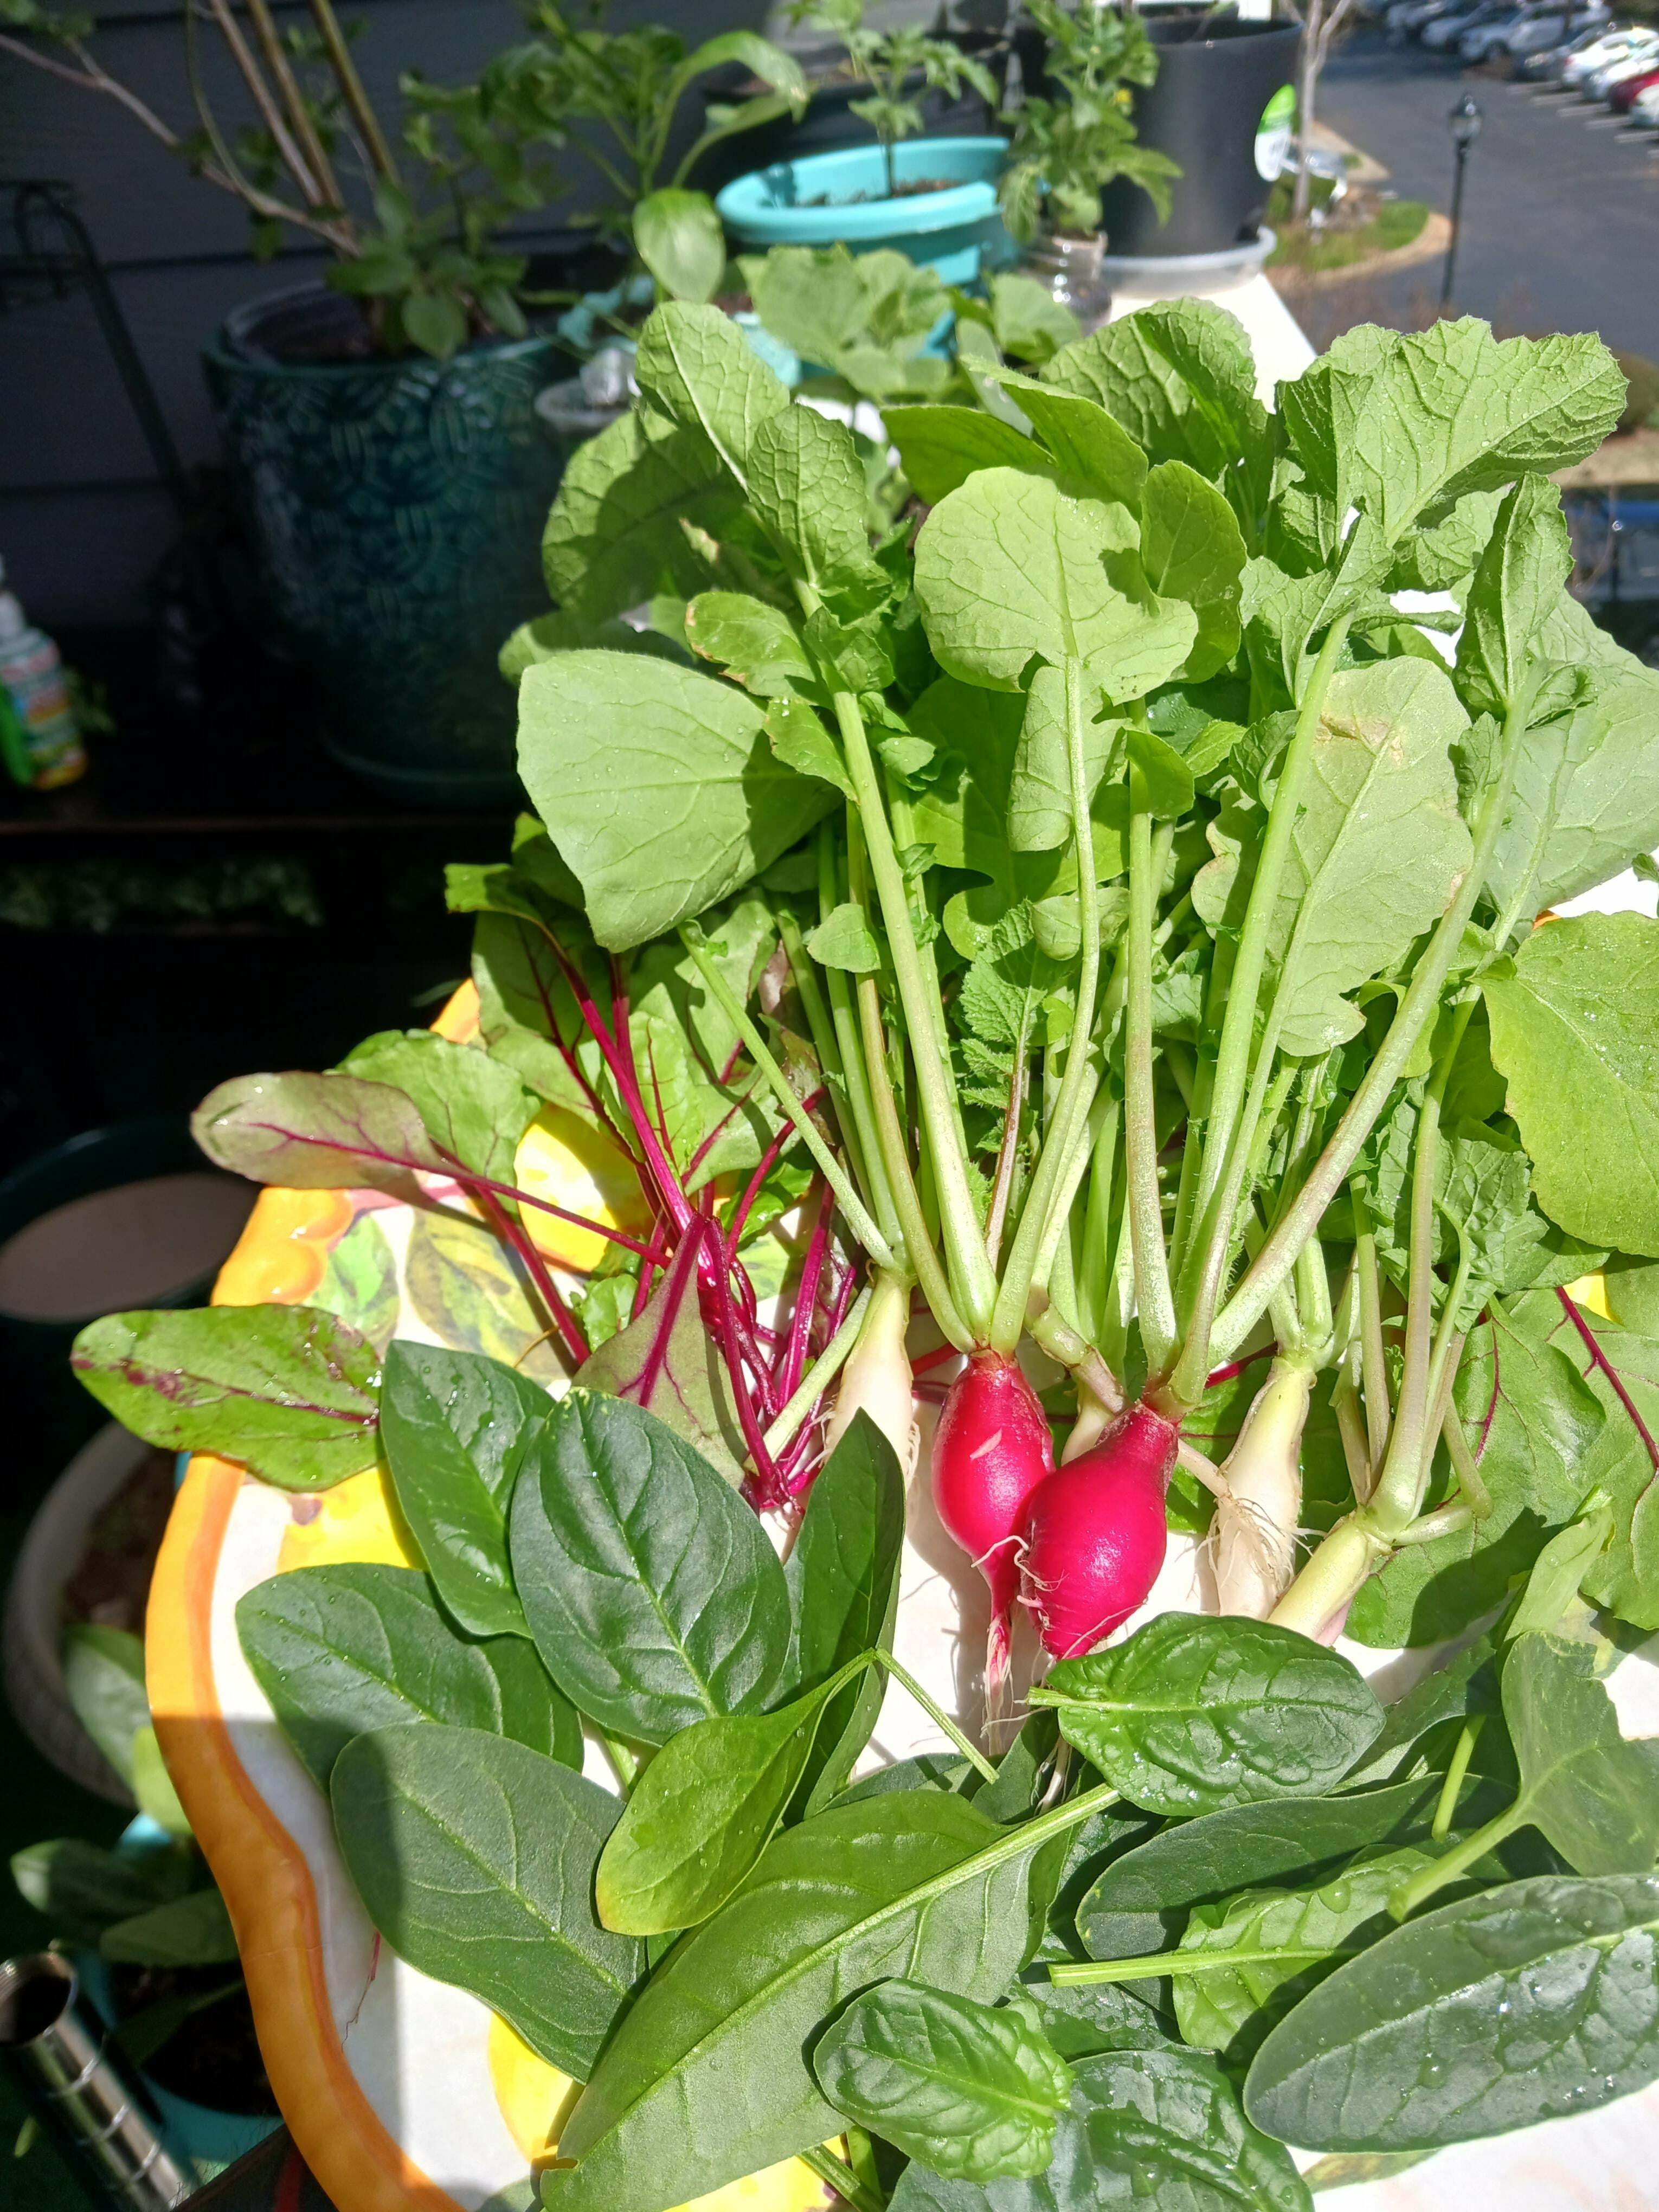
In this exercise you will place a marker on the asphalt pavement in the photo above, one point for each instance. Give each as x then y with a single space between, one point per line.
1561 207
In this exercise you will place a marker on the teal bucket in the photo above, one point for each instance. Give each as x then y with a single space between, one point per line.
820 200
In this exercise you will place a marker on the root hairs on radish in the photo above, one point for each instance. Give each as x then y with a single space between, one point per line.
1253 1534
991 1450
1094 1533
877 1378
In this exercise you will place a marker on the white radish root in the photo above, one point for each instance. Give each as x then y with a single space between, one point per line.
1253 1534
876 1379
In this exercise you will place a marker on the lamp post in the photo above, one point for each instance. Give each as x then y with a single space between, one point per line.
1465 121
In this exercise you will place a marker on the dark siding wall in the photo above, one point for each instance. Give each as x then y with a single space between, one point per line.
83 519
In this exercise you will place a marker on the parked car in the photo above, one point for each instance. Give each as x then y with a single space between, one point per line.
1646 109
1624 96
1600 53
1549 28
1409 15
1548 65
1441 36
1599 83
1478 41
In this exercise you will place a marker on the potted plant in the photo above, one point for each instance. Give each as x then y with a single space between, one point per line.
1091 924
933 199
1074 139
382 431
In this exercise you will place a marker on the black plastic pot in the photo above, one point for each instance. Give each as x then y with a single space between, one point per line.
829 122
1205 109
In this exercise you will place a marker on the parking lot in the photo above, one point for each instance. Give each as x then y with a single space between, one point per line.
1561 208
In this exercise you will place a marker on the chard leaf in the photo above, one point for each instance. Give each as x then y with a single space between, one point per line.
1193 550
474 1859
697 365
288 1391
940 448
1378 849
1190 1714
1575 1029
342 1650
707 2079
1516 585
615 536
1620 1459
658 786
1009 566
970 2089
650 1588
359 1283
318 1133
842 1578
1595 1797
666 1361
752 639
1530 2002
1156 2125
471 1106
1249 1959
454 1429
1532 1422
1194 1862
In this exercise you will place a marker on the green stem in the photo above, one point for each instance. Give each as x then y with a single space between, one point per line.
941 1721
1475 1493
1153 1296
1157 1964
852 1206
1468 1736
1457 1862
819 1376
804 974
842 2179
1278 1256
972 1280
1374 1363
623 1763
1093 1275
1238 1022
1098 1112
1071 1106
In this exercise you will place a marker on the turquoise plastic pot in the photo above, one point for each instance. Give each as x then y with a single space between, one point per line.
957 232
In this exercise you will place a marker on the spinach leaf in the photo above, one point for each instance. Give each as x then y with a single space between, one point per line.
658 786
288 1391
650 1586
1194 1862
1466 1684
454 1429
701 1813
1527 2003
1190 1714
474 1857
342 1650
1245 1962
932 1770
1575 1030
706 2078
184 1932
104 1676
1595 1797
972 2090
82 1889
1159 2125
843 1579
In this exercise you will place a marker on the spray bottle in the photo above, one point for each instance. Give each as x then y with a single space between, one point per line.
39 737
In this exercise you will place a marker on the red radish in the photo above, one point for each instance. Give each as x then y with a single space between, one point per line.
991 1450
1093 1534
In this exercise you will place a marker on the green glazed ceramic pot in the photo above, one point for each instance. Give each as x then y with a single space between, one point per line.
396 508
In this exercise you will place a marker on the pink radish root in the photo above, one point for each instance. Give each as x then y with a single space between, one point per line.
991 1450
1093 1534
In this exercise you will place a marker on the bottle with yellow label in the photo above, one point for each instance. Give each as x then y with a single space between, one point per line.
43 745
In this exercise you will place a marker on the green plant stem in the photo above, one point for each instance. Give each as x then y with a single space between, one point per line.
1474 1491
841 2178
819 1376
1155 1965
1070 1106
1153 1296
826 1045
941 1721
972 1281
1373 1356
852 1206
1278 1256
623 1763
351 87
1094 1274
1232 1059
1457 1862
1468 1736
1066 1188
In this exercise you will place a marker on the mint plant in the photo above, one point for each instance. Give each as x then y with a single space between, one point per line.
1065 907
